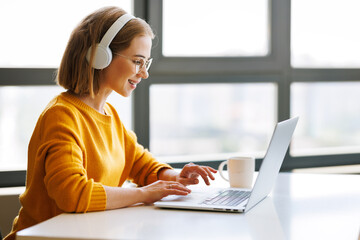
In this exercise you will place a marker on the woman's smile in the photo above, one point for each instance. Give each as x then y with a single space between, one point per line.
133 83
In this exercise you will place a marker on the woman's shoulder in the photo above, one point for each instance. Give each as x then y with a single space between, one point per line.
59 108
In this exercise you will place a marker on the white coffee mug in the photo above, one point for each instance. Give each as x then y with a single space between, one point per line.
240 171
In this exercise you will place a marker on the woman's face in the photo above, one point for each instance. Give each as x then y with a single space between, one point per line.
121 76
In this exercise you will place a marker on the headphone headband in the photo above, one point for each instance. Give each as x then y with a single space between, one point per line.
114 29
103 55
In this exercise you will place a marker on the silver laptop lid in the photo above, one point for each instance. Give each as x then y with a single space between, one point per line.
273 159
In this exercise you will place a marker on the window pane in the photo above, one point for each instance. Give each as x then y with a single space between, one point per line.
37 31
329 118
325 33
20 108
211 121
215 28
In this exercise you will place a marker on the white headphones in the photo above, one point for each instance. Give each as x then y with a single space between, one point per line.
103 55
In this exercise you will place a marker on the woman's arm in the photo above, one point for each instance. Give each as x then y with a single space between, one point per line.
118 197
170 183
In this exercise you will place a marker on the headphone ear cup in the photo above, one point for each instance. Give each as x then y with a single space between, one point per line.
103 56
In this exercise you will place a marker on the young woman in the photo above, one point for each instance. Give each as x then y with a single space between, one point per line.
80 153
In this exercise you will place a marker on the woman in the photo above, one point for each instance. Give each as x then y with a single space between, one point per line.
80 153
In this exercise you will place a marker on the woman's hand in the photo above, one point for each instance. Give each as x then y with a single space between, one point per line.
160 189
190 173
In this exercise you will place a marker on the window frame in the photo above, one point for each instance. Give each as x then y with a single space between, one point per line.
275 68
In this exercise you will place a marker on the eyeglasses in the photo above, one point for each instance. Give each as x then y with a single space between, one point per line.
140 63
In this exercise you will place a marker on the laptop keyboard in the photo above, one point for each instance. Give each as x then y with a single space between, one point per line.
228 198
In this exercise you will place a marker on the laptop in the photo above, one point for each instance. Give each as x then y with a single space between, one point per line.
238 199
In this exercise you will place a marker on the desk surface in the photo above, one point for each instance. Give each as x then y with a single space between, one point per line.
301 206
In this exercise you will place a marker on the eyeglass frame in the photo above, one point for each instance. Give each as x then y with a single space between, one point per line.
140 63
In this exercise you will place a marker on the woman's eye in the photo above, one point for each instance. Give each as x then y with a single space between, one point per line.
137 62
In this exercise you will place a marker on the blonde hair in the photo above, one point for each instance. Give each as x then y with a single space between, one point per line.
75 72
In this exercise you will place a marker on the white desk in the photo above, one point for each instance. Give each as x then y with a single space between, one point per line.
302 206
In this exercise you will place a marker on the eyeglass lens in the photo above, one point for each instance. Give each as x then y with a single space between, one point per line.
143 64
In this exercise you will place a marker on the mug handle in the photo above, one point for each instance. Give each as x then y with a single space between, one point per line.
221 168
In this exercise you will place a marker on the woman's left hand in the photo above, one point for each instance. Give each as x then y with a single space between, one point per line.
190 173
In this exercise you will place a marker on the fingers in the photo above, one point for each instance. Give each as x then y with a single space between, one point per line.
172 185
188 181
176 188
160 189
191 172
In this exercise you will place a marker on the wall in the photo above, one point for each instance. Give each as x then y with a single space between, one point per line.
9 207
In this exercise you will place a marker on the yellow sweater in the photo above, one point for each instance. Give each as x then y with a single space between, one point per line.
73 152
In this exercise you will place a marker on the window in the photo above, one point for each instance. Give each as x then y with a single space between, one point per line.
325 34
33 42
226 28
29 55
305 55
211 120
325 82
19 109
271 59
330 118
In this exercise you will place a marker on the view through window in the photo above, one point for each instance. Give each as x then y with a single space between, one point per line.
38 30
330 116
227 28
211 121
325 34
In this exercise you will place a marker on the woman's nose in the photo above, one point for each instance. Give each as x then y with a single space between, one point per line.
143 73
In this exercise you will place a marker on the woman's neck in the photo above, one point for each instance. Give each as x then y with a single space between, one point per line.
97 102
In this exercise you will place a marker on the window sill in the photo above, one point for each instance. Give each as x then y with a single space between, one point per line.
346 169
7 191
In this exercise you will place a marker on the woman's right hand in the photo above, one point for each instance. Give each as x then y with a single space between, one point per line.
160 189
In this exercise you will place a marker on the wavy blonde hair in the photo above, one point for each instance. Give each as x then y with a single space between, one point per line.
75 72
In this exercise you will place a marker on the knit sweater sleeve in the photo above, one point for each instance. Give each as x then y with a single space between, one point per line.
65 178
145 167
